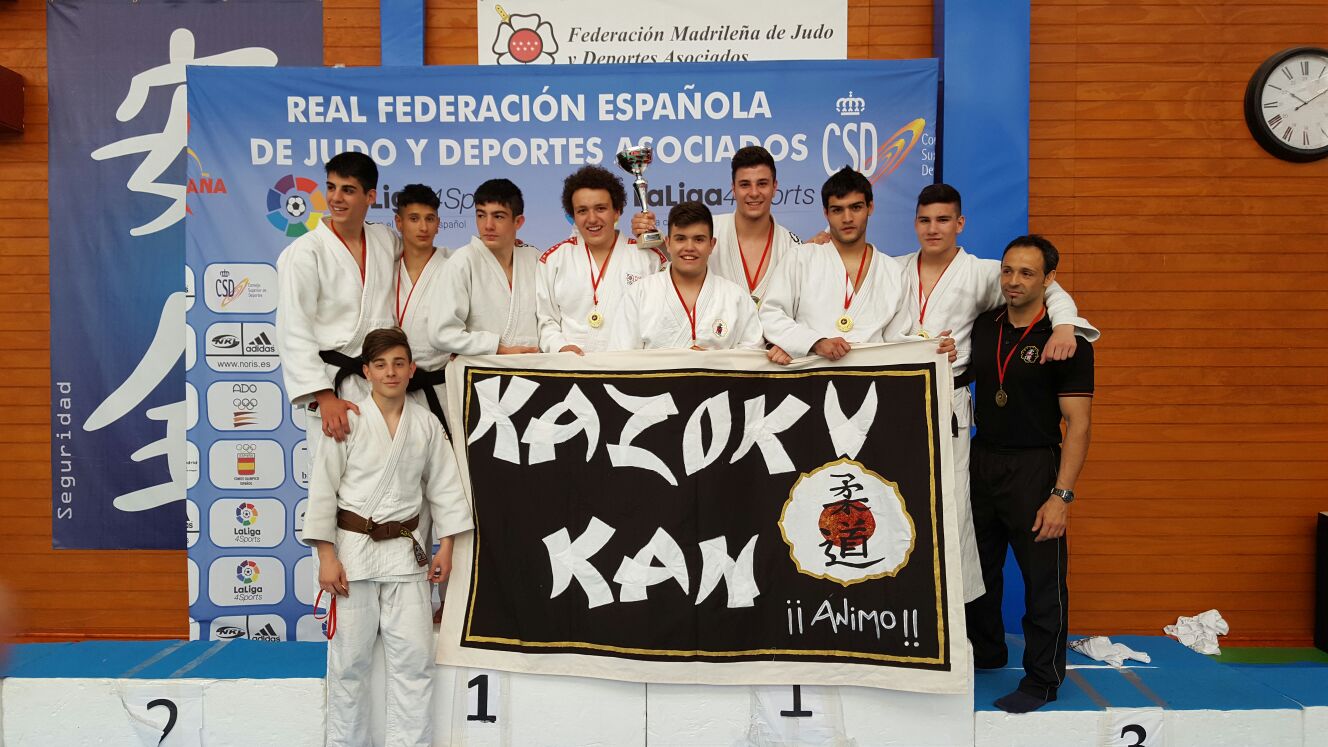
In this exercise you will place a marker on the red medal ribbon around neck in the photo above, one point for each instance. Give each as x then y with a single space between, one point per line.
852 290
364 247
753 278
923 300
691 313
594 281
401 309
1000 338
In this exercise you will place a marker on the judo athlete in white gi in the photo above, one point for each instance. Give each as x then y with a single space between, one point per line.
825 297
416 294
945 287
690 305
749 244
334 287
365 498
581 281
485 302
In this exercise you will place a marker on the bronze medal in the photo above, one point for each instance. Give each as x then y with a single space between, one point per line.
1001 398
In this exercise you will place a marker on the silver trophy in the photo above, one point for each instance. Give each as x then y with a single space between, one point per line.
634 161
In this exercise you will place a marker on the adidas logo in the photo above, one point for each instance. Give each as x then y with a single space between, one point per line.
260 344
266 633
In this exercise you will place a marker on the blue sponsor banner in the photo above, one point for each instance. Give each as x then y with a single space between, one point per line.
268 133
118 126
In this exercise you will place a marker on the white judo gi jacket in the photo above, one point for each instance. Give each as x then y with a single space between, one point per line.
474 307
653 317
567 292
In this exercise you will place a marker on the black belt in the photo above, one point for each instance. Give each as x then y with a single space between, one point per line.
346 366
960 382
427 380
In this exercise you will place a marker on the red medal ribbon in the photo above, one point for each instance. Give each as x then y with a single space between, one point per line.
1000 338
330 615
691 313
752 279
594 281
924 300
401 310
363 248
852 289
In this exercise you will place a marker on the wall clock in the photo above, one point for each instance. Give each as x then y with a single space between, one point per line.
1286 104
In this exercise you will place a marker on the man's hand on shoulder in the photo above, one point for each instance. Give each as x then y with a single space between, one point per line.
820 238
1061 345
333 410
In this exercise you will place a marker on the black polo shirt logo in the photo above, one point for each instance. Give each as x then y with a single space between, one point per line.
1029 354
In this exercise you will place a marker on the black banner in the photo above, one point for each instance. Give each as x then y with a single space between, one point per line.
703 515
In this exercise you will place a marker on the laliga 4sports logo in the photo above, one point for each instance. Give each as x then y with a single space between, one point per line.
295 205
246 514
247 572
524 39
854 140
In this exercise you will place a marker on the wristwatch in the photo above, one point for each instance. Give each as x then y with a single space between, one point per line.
1065 495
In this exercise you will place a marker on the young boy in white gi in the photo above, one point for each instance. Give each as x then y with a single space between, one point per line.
416 291
365 498
582 280
945 287
689 306
749 243
485 303
825 297
335 286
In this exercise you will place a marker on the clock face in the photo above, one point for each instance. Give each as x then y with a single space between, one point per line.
1286 104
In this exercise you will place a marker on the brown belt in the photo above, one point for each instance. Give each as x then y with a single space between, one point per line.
353 522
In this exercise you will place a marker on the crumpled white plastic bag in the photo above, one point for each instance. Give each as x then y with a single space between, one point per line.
1200 632
1101 648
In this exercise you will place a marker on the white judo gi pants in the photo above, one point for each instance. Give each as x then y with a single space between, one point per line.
403 613
969 563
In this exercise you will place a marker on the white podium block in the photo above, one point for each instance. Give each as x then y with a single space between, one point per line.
73 712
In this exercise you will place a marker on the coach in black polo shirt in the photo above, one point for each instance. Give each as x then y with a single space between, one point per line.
1021 475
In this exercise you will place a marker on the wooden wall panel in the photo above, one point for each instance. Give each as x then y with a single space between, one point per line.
1202 258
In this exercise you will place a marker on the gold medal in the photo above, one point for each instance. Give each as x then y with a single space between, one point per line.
844 323
924 334
1001 398
596 319
756 301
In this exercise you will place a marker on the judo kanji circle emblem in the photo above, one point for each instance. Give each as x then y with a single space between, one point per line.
845 523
